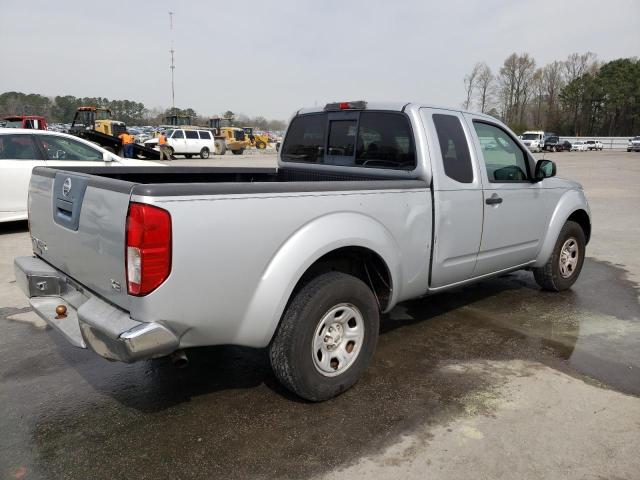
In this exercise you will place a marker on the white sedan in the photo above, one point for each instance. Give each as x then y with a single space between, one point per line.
579 146
21 150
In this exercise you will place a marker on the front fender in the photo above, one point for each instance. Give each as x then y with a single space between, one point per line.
569 202
313 240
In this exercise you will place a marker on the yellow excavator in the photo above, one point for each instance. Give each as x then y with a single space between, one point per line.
235 138
258 140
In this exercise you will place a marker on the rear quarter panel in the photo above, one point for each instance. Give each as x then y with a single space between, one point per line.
236 258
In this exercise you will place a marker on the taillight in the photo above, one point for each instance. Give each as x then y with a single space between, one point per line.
148 248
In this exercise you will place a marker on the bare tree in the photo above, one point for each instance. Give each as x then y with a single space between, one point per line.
515 77
553 83
485 87
538 87
470 82
577 64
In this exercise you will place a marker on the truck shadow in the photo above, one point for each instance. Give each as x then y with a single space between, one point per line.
227 413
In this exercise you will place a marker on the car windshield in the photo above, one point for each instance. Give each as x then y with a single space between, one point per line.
530 136
14 124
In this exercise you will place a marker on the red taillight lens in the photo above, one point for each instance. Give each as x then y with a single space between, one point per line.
344 105
148 248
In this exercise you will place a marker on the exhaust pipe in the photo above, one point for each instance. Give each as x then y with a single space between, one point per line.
179 359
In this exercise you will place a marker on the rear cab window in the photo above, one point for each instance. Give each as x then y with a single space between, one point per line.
369 139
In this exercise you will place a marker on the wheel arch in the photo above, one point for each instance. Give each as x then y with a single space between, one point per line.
348 242
571 206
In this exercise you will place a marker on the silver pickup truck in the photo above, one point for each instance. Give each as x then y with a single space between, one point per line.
371 204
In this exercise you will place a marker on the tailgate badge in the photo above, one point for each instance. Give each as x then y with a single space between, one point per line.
115 285
66 187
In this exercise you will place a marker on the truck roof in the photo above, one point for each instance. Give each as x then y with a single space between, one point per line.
395 106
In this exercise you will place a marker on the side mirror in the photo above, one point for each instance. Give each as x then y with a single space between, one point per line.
107 157
544 169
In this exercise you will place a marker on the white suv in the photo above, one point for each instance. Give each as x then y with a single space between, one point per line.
187 142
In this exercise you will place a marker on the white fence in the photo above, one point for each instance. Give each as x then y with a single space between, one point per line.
609 143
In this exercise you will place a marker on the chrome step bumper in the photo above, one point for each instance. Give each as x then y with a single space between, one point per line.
89 320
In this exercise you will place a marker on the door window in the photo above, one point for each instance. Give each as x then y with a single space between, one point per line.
456 158
62 148
504 160
177 134
191 134
18 147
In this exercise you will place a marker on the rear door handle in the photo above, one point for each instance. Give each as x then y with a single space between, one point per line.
493 200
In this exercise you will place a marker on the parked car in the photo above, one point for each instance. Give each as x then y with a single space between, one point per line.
579 146
371 204
553 144
187 142
634 144
594 145
23 149
534 140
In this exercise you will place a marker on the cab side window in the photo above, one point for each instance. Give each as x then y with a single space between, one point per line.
18 147
503 158
456 158
61 148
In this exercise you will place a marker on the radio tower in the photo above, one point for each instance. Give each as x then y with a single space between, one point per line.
173 67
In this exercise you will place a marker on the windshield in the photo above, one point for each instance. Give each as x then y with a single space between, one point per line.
14 124
531 136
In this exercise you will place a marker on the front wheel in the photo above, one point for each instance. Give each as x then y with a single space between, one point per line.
565 264
204 153
326 337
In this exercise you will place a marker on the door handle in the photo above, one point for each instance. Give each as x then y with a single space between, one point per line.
493 200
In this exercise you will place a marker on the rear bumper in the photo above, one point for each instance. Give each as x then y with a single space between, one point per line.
89 320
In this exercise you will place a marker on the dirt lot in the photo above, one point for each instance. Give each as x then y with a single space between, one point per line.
497 380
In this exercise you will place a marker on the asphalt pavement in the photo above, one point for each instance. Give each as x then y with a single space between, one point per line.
495 380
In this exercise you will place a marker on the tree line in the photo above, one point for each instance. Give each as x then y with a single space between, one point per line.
61 109
578 96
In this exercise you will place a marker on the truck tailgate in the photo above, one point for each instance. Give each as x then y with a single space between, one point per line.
78 226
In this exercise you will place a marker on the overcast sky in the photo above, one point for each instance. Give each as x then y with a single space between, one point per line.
270 58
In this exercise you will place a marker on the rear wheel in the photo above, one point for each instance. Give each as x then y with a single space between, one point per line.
204 153
327 337
565 264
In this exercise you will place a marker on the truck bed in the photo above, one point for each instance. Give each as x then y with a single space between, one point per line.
174 181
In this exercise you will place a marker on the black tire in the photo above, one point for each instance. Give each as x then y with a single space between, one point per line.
204 153
187 155
549 277
240 151
291 350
